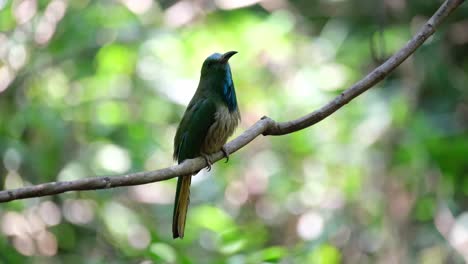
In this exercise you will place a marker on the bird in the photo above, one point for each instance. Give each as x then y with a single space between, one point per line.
209 120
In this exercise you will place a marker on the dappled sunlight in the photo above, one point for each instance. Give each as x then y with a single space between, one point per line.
112 158
157 193
459 235
164 252
56 85
372 127
17 56
333 199
256 181
14 224
13 180
6 77
35 222
234 4
236 193
139 236
124 227
24 245
45 31
72 171
310 225
50 213
29 230
180 13
79 211
24 10
173 90
46 243
138 6
331 77
331 38
158 159
15 51
4 49
212 218
260 169
301 91
55 10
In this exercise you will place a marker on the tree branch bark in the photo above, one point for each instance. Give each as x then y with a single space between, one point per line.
265 126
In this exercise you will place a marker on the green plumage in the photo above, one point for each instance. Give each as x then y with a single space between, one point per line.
193 128
210 118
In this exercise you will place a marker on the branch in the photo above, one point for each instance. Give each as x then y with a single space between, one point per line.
265 126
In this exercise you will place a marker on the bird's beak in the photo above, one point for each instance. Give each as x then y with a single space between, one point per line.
225 57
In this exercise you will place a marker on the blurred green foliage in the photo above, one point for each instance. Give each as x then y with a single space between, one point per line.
98 87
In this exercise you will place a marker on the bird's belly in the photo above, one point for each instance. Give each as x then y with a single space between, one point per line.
223 127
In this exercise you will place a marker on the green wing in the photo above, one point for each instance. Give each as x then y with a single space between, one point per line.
189 138
193 128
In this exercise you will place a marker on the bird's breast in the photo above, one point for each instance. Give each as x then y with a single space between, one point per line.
223 127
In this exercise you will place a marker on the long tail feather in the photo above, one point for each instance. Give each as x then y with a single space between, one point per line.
182 201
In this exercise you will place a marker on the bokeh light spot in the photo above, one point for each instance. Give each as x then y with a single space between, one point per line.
14 224
55 10
12 159
24 10
113 158
50 213
72 171
164 252
24 245
138 6
17 56
139 236
78 211
158 192
236 193
459 234
47 243
13 180
310 225
6 77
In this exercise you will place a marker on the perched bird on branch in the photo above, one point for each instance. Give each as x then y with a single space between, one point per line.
210 118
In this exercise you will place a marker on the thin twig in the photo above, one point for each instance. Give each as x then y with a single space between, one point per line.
265 126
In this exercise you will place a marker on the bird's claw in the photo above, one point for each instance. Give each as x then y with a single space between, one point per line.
208 161
226 154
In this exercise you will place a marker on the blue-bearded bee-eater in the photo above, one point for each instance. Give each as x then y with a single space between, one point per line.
210 118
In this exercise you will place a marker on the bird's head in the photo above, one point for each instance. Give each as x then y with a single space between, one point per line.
217 64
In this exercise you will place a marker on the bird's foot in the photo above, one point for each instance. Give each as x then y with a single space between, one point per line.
208 161
226 154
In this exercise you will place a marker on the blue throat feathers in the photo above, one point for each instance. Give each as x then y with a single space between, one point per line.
229 94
